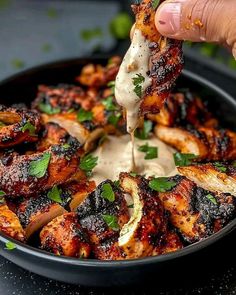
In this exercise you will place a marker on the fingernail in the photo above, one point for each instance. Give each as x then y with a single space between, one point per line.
168 18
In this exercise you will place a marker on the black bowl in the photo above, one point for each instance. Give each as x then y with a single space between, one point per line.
195 259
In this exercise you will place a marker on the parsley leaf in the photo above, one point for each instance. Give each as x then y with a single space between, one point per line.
107 192
220 167
112 84
88 163
10 246
66 146
2 193
2 124
131 206
211 198
83 115
234 164
29 127
120 25
137 81
111 221
133 174
183 159
2 199
55 194
151 151
161 184
48 109
38 168
108 103
116 183
113 119
144 133
155 4
88 35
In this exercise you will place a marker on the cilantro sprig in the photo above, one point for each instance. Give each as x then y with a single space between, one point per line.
84 115
111 221
183 159
150 151
107 192
55 195
38 168
145 131
88 163
161 184
138 80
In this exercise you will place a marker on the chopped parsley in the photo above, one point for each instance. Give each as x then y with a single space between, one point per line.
112 84
150 151
131 206
2 124
220 167
46 47
29 127
52 13
234 164
114 118
120 26
88 163
133 174
38 168
109 105
55 194
10 246
111 221
183 159
48 109
17 63
66 146
137 82
2 194
107 192
116 183
83 116
161 184
144 133
155 4
211 198
88 35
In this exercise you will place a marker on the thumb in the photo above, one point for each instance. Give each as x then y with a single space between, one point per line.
199 20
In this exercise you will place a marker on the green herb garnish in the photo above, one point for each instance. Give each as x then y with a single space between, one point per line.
88 163
17 63
150 151
2 124
131 206
2 194
52 13
114 119
10 246
183 159
112 85
211 198
137 81
155 4
29 127
38 168
144 133
88 35
66 146
116 183
55 194
107 192
133 174
83 115
120 26
220 167
48 109
109 105
111 221
234 164
46 47
161 184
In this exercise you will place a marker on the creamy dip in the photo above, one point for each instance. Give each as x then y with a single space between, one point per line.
134 63
115 156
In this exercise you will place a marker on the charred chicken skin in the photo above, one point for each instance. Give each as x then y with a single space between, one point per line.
18 126
65 236
166 59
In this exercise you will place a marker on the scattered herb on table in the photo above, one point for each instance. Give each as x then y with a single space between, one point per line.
90 34
121 25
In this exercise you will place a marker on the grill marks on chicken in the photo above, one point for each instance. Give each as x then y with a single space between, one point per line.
10 224
65 236
217 177
166 59
16 129
15 177
195 212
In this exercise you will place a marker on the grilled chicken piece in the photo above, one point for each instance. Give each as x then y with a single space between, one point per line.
195 212
97 75
170 243
206 143
213 177
29 174
64 236
144 231
10 224
63 98
36 212
19 125
182 109
166 59
103 218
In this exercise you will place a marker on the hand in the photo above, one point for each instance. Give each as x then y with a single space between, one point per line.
199 20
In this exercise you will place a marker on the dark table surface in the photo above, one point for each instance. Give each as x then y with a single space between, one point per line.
26 43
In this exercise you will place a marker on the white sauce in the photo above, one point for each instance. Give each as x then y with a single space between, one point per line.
135 62
115 156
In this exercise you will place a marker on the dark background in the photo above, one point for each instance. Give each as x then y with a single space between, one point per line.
33 32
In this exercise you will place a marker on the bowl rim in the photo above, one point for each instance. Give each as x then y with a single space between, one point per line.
94 263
